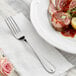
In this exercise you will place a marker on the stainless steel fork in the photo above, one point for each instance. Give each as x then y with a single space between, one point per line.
15 30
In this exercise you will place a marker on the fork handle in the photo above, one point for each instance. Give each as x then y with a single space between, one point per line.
44 62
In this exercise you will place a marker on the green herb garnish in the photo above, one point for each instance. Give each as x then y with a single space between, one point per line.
72 12
63 17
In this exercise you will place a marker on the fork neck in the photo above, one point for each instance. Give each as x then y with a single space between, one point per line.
23 38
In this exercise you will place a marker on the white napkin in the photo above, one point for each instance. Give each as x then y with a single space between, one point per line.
21 55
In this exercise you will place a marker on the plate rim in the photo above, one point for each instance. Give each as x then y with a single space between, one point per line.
41 35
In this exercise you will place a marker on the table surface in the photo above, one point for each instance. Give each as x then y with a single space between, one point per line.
24 7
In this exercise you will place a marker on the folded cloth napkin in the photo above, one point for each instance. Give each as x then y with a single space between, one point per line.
22 56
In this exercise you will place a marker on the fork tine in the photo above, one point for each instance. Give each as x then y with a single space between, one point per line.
15 24
12 25
9 25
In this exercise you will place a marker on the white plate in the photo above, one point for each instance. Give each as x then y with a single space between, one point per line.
41 23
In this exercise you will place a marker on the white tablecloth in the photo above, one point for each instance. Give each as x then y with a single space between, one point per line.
24 6
19 5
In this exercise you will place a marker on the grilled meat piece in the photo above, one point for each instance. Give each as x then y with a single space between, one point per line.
60 21
52 8
72 5
62 5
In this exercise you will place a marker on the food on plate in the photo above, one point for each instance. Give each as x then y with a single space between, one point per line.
62 4
51 8
60 21
73 23
72 5
63 16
